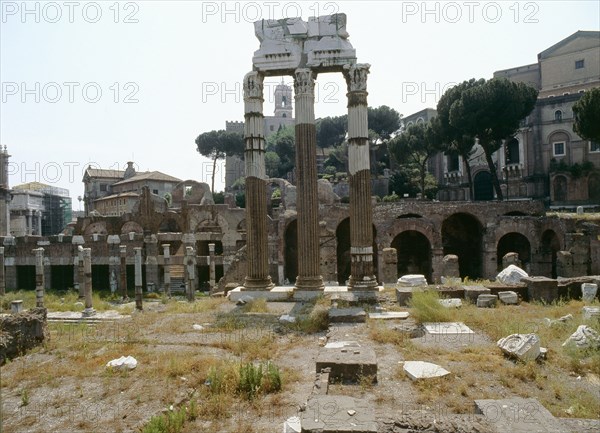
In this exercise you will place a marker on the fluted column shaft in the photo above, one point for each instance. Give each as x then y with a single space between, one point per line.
123 272
307 202
361 214
39 277
257 277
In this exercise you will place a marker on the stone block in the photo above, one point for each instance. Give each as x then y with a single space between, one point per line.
511 275
451 303
590 312
338 414
486 301
473 292
348 363
446 328
450 266
525 347
404 294
588 292
508 297
416 370
519 415
412 280
389 315
541 289
347 315
583 338
511 259
16 306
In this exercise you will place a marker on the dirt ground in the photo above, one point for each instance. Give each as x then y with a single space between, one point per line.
64 385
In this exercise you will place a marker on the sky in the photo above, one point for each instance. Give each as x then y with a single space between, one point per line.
106 82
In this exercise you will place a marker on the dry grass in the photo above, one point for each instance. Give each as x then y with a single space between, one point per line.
57 301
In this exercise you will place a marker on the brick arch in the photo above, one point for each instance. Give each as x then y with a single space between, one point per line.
98 227
131 226
525 228
425 227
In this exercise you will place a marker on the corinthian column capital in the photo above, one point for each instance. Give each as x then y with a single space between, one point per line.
253 85
304 81
356 76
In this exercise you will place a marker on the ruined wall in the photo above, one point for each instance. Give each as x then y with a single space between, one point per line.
21 332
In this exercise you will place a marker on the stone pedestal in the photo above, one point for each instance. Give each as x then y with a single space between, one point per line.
389 270
151 244
362 275
123 272
87 272
190 273
309 276
211 266
167 269
138 278
450 267
39 277
2 278
257 277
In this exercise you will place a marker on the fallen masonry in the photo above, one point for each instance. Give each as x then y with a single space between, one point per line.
348 363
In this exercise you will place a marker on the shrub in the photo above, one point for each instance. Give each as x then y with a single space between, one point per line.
427 308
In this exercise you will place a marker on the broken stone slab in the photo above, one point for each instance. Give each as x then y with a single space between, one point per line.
338 414
122 363
519 415
590 312
292 425
197 327
388 315
244 300
583 338
404 294
446 328
511 275
541 289
451 303
560 321
508 297
588 292
348 363
472 292
347 315
416 370
286 318
341 344
412 280
525 347
486 301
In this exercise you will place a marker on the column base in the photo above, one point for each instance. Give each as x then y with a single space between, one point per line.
309 284
363 285
257 284
88 312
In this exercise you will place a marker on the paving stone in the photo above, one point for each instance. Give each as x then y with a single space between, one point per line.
486 301
446 328
332 414
472 292
341 344
525 347
423 370
292 425
347 315
348 363
519 415
387 315
508 297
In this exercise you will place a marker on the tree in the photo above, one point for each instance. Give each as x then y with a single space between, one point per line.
384 121
272 162
283 144
587 115
331 131
415 146
492 112
455 140
217 145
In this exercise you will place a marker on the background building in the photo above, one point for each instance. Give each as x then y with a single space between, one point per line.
282 116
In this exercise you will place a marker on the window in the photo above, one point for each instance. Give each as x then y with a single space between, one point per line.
558 116
512 151
284 115
559 148
579 64
103 187
271 128
594 147
155 191
452 162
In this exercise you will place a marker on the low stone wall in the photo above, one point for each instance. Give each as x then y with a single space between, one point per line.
21 332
